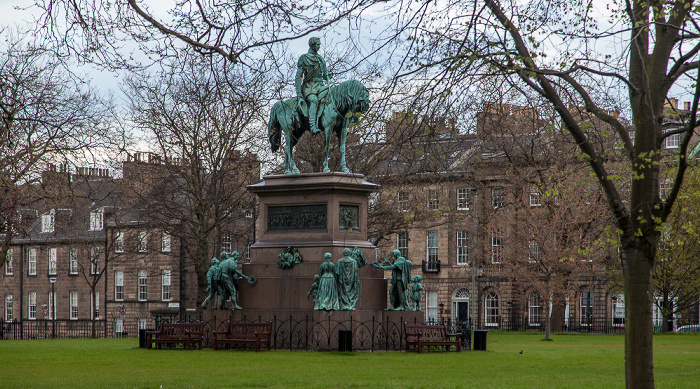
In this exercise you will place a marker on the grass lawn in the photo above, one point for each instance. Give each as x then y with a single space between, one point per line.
570 361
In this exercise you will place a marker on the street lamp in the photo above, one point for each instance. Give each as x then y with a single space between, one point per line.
52 280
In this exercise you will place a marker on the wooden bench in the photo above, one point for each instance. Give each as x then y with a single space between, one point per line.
421 335
259 334
174 333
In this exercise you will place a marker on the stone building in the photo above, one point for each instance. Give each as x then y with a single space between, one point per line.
95 252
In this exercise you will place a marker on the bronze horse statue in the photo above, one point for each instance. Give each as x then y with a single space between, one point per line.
341 107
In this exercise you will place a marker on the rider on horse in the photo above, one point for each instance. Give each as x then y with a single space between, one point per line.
311 83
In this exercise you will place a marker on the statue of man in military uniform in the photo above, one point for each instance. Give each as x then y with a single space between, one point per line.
312 83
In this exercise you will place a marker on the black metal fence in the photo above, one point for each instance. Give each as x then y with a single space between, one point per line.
288 333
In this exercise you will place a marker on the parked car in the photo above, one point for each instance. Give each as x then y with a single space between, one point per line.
690 328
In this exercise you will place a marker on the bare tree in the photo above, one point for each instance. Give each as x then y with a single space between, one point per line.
47 115
205 135
516 41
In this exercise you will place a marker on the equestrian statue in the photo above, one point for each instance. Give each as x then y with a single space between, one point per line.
318 107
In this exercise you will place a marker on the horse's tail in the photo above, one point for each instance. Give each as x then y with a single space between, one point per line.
274 130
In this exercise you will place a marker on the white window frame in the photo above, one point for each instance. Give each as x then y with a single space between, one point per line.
402 200
97 220
462 247
402 243
95 305
73 265
432 246
142 323
673 141
586 310
226 241
535 198
142 242
534 252
118 326
165 242
534 310
74 305
9 309
491 314
165 284
31 269
53 253
119 285
143 285
31 306
247 252
48 221
460 295
9 266
617 304
433 203
463 199
496 246
94 260
498 197
431 306
118 241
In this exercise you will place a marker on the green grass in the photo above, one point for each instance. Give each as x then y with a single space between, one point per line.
571 361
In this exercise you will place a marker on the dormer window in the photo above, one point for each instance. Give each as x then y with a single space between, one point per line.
96 220
48 221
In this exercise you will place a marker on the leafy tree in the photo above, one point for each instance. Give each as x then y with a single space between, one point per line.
555 50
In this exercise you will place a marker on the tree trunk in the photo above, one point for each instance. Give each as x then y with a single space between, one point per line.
639 361
547 320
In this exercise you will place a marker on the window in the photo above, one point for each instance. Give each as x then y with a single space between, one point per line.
142 323
9 268
118 327
9 313
402 243
226 241
94 260
96 220
31 313
586 306
73 305
32 262
432 252
402 200
496 246
248 213
143 285
491 309
431 306
119 285
166 285
52 305
433 202
165 242
73 260
460 305
48 221
534 252
534 309
142 242
462 248
95 305
673 141
463 198
498 196
373 202
535 200
618 309
52 261
118 241
247 252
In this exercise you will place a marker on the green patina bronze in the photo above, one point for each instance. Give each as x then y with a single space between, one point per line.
326 297
317 107
228 268
416 295
347 270
288 258
400 279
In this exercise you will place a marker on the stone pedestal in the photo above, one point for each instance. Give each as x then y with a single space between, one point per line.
314 213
